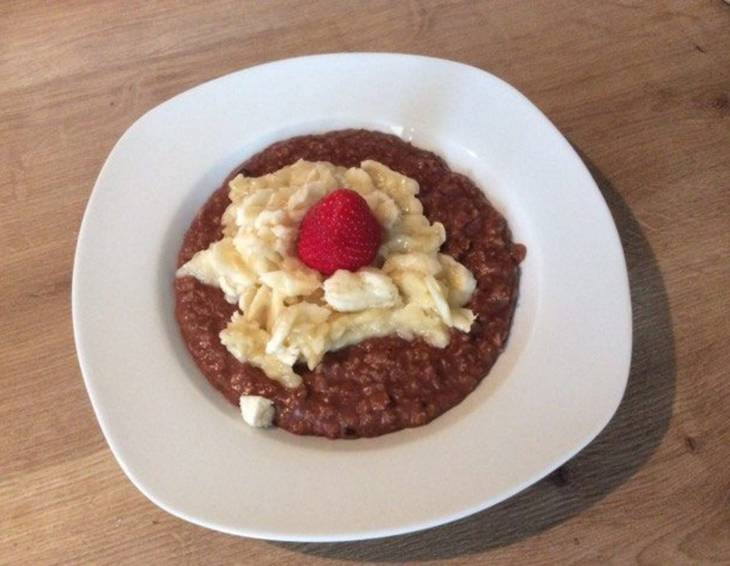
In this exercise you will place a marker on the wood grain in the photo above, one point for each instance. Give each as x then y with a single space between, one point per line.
642 89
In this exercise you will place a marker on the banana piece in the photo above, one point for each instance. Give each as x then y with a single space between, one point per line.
269 218
440 304
462 319
287 313
290 322
413 233
416 261
302 199
275 308
412 321
282 327
246 341
257 311
309 331
367 288
399 187
350 328
459 280
251 207
246 298
256 253
358 180
291 283
383 207
221 266
412 286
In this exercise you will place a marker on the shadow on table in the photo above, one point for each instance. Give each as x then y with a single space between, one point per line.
611 459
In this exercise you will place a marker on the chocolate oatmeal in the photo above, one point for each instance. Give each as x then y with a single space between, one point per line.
381 384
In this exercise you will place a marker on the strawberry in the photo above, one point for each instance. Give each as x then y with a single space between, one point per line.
339 232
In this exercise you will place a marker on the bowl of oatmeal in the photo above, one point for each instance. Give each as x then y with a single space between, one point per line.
388 346
485 340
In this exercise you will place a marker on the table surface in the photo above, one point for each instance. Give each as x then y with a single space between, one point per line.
642 90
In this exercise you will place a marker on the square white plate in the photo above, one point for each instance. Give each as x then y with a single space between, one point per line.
554 388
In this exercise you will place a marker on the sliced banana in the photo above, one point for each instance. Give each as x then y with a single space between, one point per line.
436 291
367 288
246 341
351 328
384 208
412 287
412 321
359 180
258 309
462 319
399 187
459 279
221 266
294 283
416 261
287 313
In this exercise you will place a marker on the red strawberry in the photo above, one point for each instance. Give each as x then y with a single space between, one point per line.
339 232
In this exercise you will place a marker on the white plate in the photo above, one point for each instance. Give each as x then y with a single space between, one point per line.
554 388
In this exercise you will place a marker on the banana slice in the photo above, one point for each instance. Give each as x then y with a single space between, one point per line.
257 311
439 301
412 287
246 298
298 315
383 207
416 261
303 199
459 279
246 341
367 288
412 321
291 283
281 329
287 313
221 266
350 328
399 187
414 233
358 180
462 319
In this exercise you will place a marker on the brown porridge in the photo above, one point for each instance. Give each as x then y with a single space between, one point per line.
381 384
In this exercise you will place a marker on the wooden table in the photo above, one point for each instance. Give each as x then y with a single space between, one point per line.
641 88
